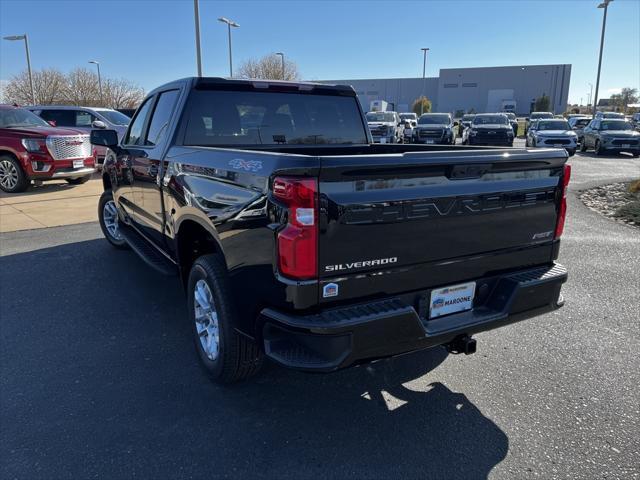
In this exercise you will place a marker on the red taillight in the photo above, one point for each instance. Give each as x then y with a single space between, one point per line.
562 213
298 241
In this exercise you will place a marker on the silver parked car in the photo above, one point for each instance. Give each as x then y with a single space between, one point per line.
552 132
84 118
577 124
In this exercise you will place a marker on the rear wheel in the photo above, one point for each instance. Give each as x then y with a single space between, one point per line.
109 221
598 148
225 354
79 180
12 177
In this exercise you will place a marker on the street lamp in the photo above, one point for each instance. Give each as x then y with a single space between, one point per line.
590 92
97 64
196 17
282 59
605 5
230 23
26 46
424 69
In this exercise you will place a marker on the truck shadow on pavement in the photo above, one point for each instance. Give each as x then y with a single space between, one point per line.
99 378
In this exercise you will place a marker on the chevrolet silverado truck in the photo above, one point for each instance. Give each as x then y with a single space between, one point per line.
298 239
33 150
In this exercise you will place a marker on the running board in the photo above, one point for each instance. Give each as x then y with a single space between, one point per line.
148 252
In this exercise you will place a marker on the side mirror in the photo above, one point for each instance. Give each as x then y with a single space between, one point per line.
98 124
52 123
104 138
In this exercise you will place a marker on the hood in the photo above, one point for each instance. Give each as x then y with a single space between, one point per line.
492 126
555 132
621 133
380 124
42 131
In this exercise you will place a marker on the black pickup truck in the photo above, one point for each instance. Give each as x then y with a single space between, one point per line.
298 239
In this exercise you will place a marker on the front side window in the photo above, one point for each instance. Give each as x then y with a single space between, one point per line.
83 119
216 117
161 116
134 135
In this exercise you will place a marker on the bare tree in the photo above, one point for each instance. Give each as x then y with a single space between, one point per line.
79 87
269 67
121 93
49 86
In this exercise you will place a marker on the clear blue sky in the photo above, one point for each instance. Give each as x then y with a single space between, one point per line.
151 42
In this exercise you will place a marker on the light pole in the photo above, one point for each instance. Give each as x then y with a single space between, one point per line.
424 70
282 62
605 5
26 47
590 92
230 23
97 64
196 17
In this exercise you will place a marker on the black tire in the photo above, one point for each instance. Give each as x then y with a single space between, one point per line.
238 357
636 153
79 180
583 146
598 148
571 152
120 243
15 180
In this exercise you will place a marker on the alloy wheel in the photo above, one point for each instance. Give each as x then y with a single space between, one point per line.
206 318
8 175
110 218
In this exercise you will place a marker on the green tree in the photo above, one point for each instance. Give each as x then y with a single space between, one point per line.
421 105
542 104
628 95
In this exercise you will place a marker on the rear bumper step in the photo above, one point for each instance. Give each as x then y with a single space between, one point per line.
340 337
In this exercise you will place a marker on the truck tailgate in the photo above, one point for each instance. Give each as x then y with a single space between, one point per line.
384 212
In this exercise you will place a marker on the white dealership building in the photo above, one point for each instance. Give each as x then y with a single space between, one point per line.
483 89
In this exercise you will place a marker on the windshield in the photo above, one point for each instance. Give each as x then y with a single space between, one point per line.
115 117
19 117
216 117
490 119
434 119
555 125
616 125
408 116
541 115
380 117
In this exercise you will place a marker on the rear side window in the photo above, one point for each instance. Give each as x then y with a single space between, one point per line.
215 117
83 119
161 116
62 118
134 135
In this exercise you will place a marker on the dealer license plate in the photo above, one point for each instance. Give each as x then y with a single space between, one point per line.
78 163
557 145
626 145
430 141
456 298
383 140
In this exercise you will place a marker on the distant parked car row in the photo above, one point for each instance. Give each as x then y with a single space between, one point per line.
46 142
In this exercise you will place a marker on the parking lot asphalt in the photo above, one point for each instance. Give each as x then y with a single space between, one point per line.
99 377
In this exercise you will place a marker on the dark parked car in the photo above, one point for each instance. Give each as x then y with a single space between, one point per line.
611 136
489 129
302 241
435 128
32 149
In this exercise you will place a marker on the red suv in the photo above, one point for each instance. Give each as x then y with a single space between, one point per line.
31 149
